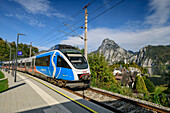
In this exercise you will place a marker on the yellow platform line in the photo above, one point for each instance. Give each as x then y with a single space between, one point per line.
63 94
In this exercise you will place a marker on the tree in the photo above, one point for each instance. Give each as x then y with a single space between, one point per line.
81 50
168 79
150 86
140 85
5 50
99 69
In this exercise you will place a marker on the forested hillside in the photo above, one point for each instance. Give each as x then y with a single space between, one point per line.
157 57
5 50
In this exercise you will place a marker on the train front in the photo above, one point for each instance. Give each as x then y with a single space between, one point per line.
80 68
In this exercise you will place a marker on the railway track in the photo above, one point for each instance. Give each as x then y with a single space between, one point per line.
116 103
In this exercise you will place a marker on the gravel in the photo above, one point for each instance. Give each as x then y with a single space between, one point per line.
134 99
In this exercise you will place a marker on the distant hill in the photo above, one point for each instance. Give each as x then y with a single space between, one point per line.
157 57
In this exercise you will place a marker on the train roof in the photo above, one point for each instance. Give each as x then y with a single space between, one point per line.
61 46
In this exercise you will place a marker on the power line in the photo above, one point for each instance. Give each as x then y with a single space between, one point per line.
89 20
82 18
67 21
107 10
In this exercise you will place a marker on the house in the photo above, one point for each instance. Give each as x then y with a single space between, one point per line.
133 69
117 72
127 79
120 70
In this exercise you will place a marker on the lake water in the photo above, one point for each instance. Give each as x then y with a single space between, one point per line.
158 80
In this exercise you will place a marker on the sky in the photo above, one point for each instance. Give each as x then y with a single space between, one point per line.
132 24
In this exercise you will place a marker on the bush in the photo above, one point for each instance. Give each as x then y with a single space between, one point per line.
140 85
155 99
150 86
163 100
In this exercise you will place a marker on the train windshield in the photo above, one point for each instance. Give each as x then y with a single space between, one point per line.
76 58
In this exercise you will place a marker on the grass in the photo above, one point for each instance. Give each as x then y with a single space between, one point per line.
3 85
159 90
155 76
1 75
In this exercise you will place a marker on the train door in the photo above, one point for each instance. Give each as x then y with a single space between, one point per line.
65 72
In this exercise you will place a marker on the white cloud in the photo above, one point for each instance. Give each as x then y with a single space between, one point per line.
28 19
130 40
39 7
34 22
9 15
42 48
159 12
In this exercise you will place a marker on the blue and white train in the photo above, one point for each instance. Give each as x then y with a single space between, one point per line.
62 65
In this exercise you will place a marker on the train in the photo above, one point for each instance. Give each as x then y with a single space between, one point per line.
62 65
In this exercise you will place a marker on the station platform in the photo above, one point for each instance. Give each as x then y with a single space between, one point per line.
28 95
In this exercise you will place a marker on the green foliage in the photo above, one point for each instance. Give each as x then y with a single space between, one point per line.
3 85
1 75
126 91
102 77
159 99
5 50
150 86
168 79
81 50
163 100
158 53
159 90
140 85
156 99
146 97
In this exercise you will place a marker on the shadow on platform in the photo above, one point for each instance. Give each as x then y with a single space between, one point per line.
13 87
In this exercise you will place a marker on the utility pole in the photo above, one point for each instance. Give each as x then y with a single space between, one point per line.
5 52
85 34
9 57
10 54
30 48
16 57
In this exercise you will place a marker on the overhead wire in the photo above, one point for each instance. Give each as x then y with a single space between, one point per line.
67 21
88 21
107 10
82 19
54 29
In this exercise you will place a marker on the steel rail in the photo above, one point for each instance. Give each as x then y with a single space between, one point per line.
131 101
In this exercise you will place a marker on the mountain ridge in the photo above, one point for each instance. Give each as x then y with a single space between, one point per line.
148 56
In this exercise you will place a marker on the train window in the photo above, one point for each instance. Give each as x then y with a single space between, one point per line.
62 63
78 61
28 64
42 61
18 64
23 64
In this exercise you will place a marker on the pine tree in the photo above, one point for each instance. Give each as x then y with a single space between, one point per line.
140 85
150 86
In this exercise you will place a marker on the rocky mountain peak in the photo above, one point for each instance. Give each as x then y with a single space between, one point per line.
113 52
107 43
